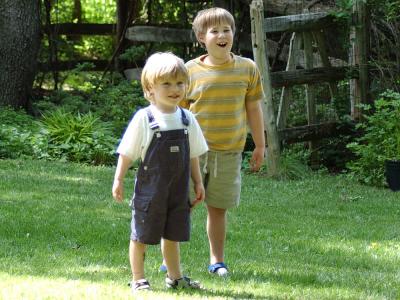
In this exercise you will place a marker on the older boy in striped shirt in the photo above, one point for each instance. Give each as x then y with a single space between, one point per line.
225 96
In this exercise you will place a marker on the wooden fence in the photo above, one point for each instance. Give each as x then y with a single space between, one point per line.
307 28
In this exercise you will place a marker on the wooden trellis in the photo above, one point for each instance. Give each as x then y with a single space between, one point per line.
308 29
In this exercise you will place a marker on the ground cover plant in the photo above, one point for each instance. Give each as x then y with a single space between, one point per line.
380 141
322 237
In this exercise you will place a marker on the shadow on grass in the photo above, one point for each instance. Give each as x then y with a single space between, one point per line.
213 293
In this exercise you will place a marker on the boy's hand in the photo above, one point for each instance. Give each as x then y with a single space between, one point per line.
200 194
257 158
118 190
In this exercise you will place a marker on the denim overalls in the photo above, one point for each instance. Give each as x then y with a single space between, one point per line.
160 204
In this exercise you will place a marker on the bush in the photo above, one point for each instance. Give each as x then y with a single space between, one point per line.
117 103
18 118
293 163
133 53
16 129
79 138
380 141
333 152
14 142
111 102
72 101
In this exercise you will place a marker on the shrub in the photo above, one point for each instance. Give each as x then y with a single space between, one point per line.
380 141
132 54
18 118
16 128
79 138
111 102
333 153
117 103
14 142
293 163
72 101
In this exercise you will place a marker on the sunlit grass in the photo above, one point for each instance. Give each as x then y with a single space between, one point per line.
63 237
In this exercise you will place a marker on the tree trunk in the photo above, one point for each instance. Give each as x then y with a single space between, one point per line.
223 3
19 46
77 12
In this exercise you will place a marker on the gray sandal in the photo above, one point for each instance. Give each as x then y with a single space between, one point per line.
140 285
182 283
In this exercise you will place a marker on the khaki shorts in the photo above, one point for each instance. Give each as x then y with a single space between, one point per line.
221 178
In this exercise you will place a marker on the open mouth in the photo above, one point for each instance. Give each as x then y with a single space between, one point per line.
222 44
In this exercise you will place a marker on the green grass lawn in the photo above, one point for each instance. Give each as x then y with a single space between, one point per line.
63 237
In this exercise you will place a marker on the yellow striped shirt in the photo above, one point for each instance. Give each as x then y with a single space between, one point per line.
217 97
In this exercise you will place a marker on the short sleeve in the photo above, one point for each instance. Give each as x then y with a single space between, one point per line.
197 142
132 141
255 90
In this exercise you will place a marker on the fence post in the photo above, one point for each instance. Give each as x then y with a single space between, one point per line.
359 88
260 57
310 96
286 94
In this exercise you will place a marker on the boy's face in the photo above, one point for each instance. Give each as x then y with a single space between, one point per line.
166 93
218 40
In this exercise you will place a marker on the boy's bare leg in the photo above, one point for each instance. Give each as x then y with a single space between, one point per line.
136 259
216 230
162 245
171 254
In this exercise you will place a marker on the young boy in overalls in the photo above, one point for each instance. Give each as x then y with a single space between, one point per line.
168 140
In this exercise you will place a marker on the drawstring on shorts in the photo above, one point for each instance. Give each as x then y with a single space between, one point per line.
215 171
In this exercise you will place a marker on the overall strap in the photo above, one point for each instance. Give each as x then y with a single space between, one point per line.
152 121
185 120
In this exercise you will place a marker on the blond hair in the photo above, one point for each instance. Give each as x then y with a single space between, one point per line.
160 66
207 18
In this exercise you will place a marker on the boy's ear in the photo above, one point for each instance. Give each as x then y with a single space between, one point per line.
148 95
200 37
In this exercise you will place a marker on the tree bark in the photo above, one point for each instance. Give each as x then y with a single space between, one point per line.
77 12
19 46
223 3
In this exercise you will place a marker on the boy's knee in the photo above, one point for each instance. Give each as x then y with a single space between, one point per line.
216 211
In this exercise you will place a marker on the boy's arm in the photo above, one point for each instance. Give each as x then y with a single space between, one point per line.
256 123
197 181
118 186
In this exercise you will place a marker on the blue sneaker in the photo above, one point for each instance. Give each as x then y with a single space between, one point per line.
219 269
163 269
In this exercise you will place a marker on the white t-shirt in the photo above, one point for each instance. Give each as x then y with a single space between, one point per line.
138 135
